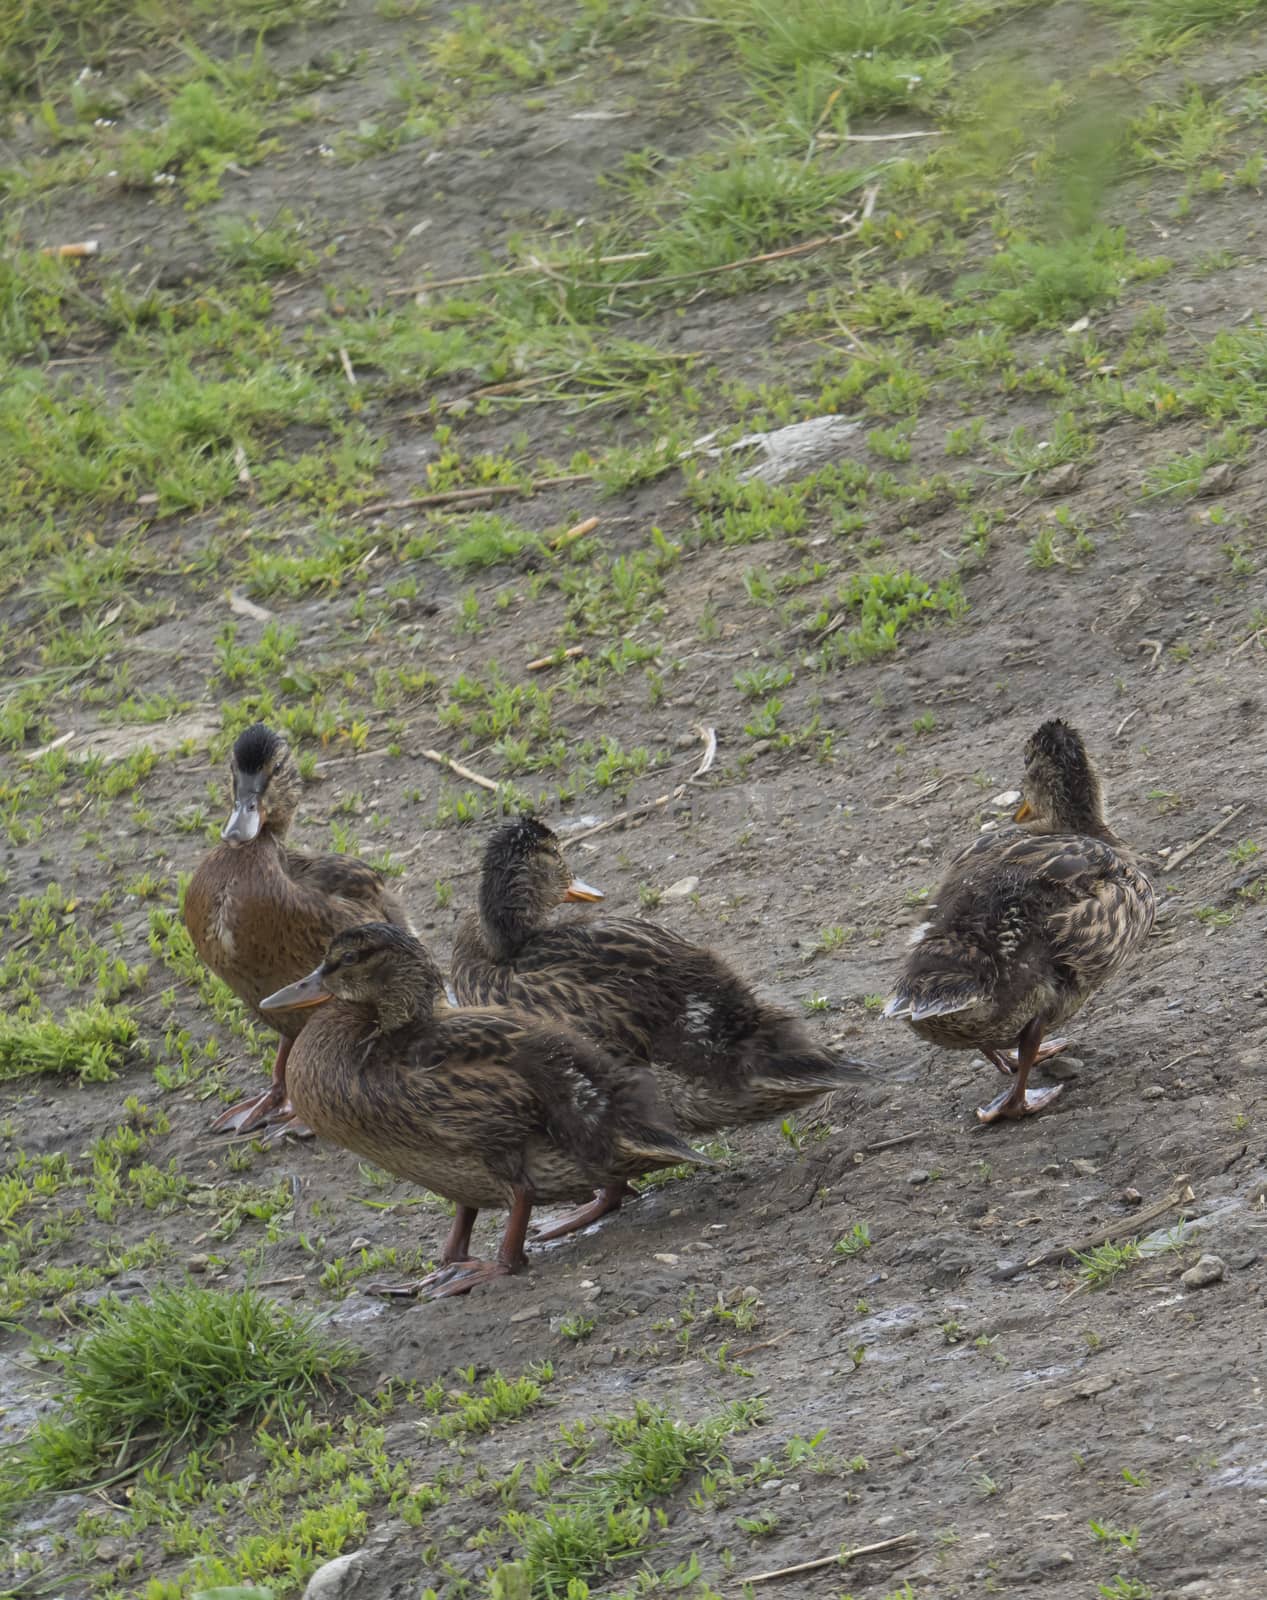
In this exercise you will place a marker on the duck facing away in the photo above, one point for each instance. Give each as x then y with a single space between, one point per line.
1029 923
261 915
486 1107
721 1056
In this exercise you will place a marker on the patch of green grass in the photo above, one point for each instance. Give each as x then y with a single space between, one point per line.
1101 1265
1045 285
885 604
183 1363
89 1043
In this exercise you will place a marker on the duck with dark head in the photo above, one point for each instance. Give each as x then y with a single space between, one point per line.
486 1107
721 1055
260 914
1030 921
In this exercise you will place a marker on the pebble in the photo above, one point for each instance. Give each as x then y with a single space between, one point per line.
1154 1091
1131 1197
918 1176
526 1315
338 1578
1210 1269
666 1258
1084 1168
683 889
198 1263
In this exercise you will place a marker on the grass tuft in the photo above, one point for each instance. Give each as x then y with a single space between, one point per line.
186 1361
90 1043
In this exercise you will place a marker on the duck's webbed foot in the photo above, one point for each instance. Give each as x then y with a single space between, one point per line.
273 1107
463 1277
1017 1100
1009 1105
1052 1047
453 1257
604 1202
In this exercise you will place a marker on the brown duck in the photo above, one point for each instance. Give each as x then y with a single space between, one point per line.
261 915
486 1107
720 1055
1028 924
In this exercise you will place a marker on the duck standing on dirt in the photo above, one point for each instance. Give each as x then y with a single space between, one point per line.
720 1055
485 1107
261 915
1028 924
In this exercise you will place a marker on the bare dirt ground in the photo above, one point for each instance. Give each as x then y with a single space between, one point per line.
1032 1431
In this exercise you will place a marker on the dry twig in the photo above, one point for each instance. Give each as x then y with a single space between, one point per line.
556 659
1188 851
461 771
840 1558
489 491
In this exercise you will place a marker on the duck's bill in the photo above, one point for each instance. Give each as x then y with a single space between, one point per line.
577 890
243 823
309 991
1023 812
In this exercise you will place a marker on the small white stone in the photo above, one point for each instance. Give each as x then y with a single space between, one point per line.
1009 797
666 1259
683 889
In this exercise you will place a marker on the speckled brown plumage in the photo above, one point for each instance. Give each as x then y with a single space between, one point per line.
1030 921
721 1056
484 1106
261 915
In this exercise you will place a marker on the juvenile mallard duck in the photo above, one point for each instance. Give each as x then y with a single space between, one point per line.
486 1107
720 1055
1028 924
261 915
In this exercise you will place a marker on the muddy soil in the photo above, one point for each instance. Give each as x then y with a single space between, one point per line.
1000 1405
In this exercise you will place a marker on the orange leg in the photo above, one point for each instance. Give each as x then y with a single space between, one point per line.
1017 1101
510 1255
456 1251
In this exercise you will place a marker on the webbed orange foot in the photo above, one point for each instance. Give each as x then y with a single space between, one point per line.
1012 1106
603 1204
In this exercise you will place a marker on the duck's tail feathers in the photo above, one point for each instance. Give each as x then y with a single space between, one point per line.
660 1147
915 1007
815 1074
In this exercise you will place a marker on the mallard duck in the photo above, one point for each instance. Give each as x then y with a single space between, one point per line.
260 915
1029 923
721 1056
486 1107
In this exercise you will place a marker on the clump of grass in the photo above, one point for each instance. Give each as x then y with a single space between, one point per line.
607 1519
89 1043
886 602
187 1361
1046 285
1099 1266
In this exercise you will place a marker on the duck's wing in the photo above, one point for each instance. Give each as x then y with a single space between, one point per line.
359 890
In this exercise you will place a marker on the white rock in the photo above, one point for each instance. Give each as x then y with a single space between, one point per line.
338 1579
683 889
1208 1270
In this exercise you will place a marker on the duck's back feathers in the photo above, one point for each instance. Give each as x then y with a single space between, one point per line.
721 1055
1025 925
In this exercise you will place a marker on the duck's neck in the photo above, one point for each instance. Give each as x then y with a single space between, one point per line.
508 919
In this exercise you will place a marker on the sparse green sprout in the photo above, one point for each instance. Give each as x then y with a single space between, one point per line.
855 1241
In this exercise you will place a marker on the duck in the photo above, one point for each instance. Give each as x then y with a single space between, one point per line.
1030 922
722 1057
261 915
484 1106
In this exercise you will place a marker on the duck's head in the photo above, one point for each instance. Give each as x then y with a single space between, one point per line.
1061 791
379 968
523 879
266 785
